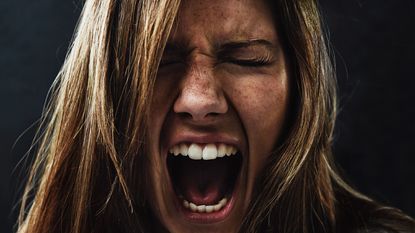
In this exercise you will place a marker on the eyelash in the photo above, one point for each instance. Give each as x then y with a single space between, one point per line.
167 63
256 62
259 62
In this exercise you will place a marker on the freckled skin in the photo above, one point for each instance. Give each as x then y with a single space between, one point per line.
204 95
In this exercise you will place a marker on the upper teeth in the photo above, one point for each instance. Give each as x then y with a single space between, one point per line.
206 152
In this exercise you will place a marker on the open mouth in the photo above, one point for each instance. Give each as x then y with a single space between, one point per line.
204 176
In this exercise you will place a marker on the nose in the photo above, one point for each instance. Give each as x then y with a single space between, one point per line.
201 96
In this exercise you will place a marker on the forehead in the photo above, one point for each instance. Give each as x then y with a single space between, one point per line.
223 20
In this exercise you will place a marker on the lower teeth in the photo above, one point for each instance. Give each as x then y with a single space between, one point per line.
205 208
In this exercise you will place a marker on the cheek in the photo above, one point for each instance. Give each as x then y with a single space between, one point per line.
161 102
163 96
262 105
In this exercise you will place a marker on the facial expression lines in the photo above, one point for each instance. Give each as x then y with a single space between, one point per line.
221 92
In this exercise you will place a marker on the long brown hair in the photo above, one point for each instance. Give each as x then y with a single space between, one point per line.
92 130
89 173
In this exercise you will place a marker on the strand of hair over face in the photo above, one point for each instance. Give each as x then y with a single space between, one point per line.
100 98
298 180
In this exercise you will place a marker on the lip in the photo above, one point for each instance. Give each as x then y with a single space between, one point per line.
205 138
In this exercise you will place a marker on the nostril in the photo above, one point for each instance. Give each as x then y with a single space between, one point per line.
213 114
199 107
185 115
189 116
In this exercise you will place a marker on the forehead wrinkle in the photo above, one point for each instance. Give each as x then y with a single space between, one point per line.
246 33
206 38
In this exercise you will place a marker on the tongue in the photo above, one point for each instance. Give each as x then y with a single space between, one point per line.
203 182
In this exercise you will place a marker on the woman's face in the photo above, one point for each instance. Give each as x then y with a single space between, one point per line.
220 103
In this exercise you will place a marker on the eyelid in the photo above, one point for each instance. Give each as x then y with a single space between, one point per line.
168 60
254 61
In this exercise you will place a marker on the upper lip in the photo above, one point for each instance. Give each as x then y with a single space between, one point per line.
204 138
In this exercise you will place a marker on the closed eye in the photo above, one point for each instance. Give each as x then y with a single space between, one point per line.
251 62
169 62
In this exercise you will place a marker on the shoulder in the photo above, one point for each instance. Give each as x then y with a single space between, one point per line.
361 215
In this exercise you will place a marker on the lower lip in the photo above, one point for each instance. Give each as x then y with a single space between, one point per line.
212 217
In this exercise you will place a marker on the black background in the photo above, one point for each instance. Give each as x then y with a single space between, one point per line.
374 45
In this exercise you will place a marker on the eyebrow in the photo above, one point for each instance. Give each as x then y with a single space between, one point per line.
175 47
220 48
234 45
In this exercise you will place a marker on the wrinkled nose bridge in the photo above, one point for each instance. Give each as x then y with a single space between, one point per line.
200 94
200 83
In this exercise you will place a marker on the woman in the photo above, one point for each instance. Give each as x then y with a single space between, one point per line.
195 116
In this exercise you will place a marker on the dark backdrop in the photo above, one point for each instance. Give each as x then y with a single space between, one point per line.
374 45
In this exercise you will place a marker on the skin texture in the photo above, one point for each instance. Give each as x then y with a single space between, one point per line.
205 87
